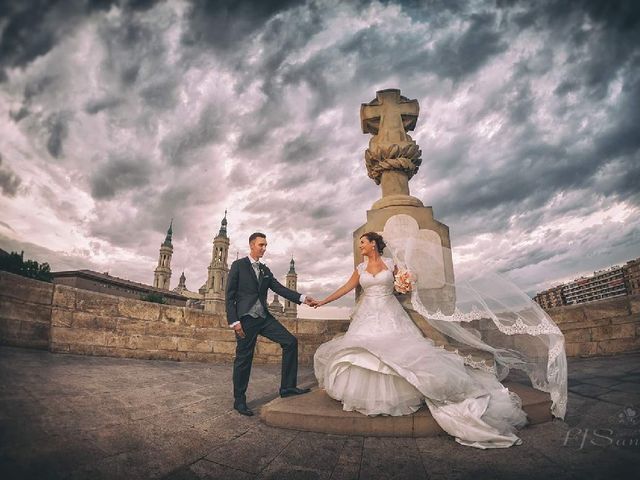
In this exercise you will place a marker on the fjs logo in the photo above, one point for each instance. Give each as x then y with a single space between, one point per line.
604 437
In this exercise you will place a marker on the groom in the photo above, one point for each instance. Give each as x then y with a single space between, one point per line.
247 314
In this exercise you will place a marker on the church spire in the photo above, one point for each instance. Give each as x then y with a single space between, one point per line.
292 266
167 240
223 226
162 273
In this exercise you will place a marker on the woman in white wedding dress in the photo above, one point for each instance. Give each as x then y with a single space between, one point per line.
384 365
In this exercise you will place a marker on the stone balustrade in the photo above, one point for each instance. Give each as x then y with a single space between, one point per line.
64 319
69 320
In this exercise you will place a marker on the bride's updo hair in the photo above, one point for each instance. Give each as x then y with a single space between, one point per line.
374 237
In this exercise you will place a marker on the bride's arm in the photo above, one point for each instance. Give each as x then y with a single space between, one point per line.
343 290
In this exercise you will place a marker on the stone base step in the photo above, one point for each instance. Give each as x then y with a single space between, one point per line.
317 412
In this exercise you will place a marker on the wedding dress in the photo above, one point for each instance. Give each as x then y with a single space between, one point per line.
384 365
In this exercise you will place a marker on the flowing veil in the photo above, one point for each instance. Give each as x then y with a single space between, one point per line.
481 310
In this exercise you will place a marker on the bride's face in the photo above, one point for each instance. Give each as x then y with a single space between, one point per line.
367 247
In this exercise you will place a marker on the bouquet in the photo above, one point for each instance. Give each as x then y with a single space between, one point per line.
404 281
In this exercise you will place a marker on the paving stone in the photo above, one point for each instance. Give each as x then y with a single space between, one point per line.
629 387
450 460
391 458
204 469
621 398
254 450
78 417
308 455
602 381
589 390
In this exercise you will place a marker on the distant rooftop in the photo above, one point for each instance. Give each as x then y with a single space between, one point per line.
90 274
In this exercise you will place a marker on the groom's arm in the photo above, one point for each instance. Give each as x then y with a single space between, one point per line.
231 296
285 292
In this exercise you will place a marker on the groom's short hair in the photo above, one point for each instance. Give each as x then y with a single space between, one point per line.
255 235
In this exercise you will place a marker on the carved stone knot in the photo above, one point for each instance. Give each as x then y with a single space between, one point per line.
403 157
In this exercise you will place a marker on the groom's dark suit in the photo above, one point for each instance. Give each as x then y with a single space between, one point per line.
244 289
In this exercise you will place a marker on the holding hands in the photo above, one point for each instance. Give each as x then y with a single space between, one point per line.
317 303
312 302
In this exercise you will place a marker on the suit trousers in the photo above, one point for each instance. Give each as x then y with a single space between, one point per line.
270 328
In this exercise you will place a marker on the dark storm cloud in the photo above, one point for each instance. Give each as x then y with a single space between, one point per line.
119 175
9 181
7 226
32 89
529 115
518 258
18 115
207 130
599 52
537 170
63 208
528 183
223 23
21 42
38 86
458 56
34 28
58 131
300 150
95 106
136 60
161 94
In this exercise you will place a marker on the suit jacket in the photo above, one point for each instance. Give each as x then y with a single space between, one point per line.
243 289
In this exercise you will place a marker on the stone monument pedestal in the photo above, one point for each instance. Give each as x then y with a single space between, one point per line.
317 412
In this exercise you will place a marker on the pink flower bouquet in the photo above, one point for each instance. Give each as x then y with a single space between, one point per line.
404 281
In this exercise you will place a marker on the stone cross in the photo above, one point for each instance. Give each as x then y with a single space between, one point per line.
389 116
392 157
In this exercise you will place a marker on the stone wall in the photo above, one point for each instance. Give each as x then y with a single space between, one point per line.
604 327
69 320
25 311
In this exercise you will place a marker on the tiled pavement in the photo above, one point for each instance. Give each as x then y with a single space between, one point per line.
77 417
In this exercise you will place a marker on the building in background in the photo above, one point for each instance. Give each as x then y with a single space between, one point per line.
162 273
632 276
291 282
607 283
195 299
275 307
105 283
214 290
553 297
209 297
612 282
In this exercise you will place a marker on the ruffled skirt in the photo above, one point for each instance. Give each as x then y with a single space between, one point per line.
384 366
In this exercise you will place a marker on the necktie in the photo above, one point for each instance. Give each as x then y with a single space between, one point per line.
256 269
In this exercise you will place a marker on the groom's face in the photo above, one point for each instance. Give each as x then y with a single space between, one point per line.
257 247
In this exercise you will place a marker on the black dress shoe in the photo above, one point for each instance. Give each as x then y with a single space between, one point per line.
289 392
243 409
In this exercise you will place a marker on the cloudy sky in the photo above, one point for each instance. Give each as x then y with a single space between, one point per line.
117 116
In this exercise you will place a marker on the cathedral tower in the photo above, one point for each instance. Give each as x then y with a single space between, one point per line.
162 273
291 308
218 271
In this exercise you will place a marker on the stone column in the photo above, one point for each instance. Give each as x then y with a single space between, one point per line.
392 159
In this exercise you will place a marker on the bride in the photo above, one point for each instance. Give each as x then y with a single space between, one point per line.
384 365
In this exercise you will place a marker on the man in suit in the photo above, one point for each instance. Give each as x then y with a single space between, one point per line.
248 315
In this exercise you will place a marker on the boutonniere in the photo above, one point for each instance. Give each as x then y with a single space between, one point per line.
261 268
